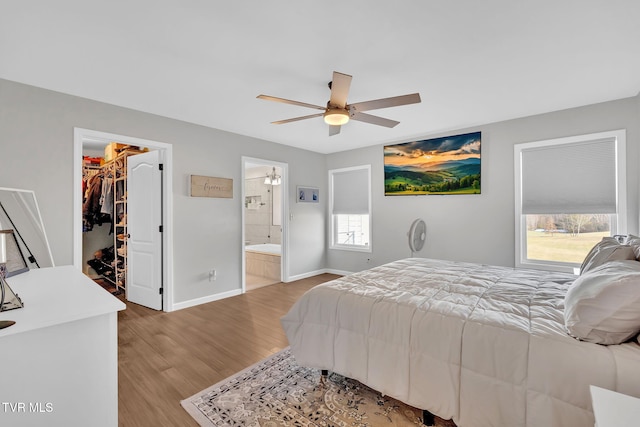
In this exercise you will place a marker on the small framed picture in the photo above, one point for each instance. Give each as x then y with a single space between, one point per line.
16 263
307 194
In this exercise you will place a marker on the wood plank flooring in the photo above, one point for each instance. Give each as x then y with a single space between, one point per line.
166 357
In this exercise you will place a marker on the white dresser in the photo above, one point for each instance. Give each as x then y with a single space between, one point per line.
613 409
59 362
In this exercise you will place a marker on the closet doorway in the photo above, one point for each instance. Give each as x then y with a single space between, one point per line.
264 219
122 215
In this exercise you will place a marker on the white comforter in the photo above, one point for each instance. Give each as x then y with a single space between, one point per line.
482 345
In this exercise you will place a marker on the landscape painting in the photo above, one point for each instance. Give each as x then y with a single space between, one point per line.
447 165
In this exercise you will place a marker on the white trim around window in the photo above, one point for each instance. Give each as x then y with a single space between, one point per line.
350 208
618 218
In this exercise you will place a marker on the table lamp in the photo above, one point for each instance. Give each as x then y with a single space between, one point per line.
3 273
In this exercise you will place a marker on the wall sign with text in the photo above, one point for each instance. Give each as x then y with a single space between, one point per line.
208 186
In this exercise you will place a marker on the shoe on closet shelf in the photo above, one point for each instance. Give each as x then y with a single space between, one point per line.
122 251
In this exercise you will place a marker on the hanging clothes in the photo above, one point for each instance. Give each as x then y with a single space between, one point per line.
91 208
106 199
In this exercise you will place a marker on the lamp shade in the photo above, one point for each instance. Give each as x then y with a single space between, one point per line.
273 178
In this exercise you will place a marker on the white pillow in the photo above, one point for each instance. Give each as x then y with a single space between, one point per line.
603 305
608 249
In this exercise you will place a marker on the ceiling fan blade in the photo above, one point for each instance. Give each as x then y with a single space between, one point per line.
374 120
288 101
295 119
334 130
339 89
394 101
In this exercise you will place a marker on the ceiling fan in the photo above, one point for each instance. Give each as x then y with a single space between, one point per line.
338 112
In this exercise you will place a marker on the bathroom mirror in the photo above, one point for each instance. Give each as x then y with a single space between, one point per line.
19 212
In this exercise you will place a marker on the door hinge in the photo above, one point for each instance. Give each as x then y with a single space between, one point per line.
160 229
161 166
161 291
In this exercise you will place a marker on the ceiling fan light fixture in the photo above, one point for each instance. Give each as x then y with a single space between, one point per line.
338 112
336 117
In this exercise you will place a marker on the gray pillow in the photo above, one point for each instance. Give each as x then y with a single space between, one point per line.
608 249
602 306
632 240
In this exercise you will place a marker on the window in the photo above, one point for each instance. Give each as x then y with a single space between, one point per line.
350 207
570 192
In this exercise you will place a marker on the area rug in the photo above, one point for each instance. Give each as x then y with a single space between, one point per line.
278 392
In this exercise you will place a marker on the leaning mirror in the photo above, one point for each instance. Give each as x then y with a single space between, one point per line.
19 212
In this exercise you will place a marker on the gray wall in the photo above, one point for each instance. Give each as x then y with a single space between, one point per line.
36 148
480 228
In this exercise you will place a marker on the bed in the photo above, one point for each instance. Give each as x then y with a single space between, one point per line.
481 345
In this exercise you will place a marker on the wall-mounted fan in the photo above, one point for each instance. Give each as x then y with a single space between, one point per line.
338 112
417 235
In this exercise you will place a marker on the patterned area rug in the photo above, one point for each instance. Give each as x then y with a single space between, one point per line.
278 392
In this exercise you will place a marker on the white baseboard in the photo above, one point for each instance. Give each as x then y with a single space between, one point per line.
317 272
203 300
222 295
338 272
305 275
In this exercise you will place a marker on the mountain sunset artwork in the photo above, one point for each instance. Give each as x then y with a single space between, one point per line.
447 165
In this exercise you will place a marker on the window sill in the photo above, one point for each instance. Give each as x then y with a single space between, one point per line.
351 248
549 266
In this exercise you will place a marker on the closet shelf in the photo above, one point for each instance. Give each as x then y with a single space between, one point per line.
118 168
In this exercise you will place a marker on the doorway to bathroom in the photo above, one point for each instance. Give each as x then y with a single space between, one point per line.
264 226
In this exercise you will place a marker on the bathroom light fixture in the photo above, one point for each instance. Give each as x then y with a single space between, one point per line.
273 178
336 117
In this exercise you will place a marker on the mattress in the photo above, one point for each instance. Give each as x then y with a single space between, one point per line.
482 345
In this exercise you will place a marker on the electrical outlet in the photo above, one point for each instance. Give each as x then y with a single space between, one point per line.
212 275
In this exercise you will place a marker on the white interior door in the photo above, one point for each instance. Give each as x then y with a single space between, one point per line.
144 226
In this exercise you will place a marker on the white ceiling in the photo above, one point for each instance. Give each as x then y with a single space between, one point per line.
205 61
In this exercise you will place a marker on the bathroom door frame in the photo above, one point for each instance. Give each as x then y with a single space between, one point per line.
284 206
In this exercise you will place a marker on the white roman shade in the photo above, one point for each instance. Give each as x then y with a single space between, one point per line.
570 178
351 190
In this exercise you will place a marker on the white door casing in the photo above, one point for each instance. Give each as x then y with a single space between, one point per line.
144 228
284 207
83 136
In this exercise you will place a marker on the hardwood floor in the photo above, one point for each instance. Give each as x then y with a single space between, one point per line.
254 282
166 357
